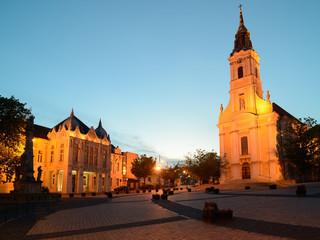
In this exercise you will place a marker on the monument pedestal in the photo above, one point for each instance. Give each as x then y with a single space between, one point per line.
27 186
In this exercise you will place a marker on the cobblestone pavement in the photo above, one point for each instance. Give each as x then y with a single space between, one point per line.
258 214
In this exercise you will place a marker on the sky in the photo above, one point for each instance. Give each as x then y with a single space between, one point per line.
155 72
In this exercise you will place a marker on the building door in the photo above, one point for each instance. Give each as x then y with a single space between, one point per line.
246 171
73 183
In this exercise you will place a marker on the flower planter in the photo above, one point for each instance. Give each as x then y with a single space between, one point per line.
171 192
189 189
138 191
272 186
143 190
117 192
225 214
109 195
83 194
181 188
301 191
216 191
71 194
157 190
93 194
247 187
149 190
127 192
210 211
164 197
155 197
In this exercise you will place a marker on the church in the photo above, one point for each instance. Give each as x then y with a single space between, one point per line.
248 125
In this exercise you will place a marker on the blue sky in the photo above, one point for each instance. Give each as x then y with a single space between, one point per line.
155 72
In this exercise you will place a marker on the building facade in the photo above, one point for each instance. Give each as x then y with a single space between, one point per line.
77 159
248 125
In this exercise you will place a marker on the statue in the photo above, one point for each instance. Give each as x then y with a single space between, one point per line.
268 96
221 108
39 174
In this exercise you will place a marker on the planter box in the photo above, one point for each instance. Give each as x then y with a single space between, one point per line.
137 191
143 190
216 191
181 188
189 189
109 195
210 211
225 214
71 194
93 194
272 186
83 194
171 192
155 196
149 190
117 192
164 197
301 191
247 187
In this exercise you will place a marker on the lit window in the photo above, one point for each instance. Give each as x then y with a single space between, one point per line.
244 146
39 156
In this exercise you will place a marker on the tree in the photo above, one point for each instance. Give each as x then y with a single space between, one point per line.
143 167
171 174
13 116
298 146
205 165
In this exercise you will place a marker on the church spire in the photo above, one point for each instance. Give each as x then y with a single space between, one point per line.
242 41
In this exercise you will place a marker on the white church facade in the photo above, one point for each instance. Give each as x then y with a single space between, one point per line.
248 125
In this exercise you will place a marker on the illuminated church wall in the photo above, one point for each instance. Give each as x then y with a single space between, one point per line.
247 127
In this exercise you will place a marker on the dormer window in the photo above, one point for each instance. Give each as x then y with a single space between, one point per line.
240 72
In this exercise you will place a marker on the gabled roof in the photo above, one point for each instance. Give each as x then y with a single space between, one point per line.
281 111
40 131
72 122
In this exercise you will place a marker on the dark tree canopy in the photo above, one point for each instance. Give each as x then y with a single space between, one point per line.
298 143
143 167
205 165
13 116
171 174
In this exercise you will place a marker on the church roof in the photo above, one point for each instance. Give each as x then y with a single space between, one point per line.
71 123
101 132
281 111
40 131
242 41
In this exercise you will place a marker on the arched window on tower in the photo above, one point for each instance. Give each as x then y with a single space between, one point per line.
256 71
240 72
244 146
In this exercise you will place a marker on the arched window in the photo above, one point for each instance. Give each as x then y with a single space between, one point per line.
240 72
244 146
256 72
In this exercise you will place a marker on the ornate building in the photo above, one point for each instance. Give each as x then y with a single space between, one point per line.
248 125
76 159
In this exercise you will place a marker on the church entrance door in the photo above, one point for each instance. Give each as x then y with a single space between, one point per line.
246 171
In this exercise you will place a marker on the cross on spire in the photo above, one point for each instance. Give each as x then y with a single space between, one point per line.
240 5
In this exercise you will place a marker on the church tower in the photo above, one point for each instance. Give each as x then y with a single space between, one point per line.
247 127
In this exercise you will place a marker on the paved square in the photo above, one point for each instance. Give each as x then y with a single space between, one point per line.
258 214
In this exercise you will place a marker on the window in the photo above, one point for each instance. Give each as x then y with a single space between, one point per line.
104 157
240 72
39 156
84 180
75 155
95 155
244 146
118 167
91 155
51 156
86 155
242 102
117 182
61 154
149 179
